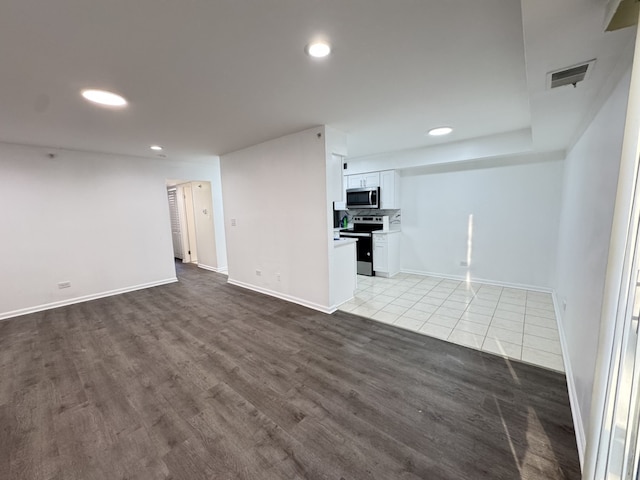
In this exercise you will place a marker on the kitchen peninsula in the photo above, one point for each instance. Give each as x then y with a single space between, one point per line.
343 276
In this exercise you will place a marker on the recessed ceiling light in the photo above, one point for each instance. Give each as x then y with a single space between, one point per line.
102 97
318 49
436 132
157 148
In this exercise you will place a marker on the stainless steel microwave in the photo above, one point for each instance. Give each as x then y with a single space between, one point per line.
363 197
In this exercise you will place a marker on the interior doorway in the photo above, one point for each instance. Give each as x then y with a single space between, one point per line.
183 228
193 229
176 226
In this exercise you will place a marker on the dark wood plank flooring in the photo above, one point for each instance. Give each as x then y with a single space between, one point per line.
204 380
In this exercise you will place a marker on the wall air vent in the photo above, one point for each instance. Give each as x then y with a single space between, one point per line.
570 76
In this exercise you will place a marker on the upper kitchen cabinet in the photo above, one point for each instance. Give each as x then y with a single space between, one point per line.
363 180
387 180
389 190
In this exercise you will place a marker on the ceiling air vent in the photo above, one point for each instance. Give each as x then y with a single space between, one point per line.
570 75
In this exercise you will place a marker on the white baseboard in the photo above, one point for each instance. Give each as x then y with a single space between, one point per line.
223 270
283 296
84 298
463 278
578 425
336 306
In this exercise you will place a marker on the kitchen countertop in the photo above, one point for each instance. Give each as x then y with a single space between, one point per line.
344 241
386 231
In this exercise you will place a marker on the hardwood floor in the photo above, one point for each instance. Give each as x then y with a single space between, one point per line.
204 380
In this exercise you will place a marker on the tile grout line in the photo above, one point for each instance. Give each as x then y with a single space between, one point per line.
471 296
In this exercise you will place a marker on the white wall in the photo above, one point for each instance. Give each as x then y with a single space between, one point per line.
335 151
515 207
590 185
203 217
276 192
218 217
99 221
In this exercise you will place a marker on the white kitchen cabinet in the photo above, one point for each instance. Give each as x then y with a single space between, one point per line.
354 181
389 190
345 186
386 253
363 180
380 253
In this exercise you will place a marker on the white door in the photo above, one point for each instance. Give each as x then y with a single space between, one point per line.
620 461
189 243
618 448
176 231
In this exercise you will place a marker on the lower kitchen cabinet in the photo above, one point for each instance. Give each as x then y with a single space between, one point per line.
386 253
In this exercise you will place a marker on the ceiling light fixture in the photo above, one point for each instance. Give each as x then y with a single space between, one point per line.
439 131
102 97
157 148
318 49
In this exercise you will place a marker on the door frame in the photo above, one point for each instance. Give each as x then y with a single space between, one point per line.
619 280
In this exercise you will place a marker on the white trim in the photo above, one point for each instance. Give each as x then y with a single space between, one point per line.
85 298
462 278
335 307
283 296
578 424
222 270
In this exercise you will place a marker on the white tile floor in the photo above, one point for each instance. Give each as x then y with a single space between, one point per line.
514 323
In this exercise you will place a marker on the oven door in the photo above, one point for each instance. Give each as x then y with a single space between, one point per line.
364 251
363 197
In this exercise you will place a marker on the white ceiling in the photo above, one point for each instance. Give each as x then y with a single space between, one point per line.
206 77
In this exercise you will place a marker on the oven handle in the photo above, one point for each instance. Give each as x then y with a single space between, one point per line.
355 234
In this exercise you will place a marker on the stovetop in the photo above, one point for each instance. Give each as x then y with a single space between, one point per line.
366 224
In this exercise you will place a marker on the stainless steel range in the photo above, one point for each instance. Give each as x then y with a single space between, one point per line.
362 231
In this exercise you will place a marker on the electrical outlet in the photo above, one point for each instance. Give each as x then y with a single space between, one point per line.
62 285
464 263
259 273
278 276
233 222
